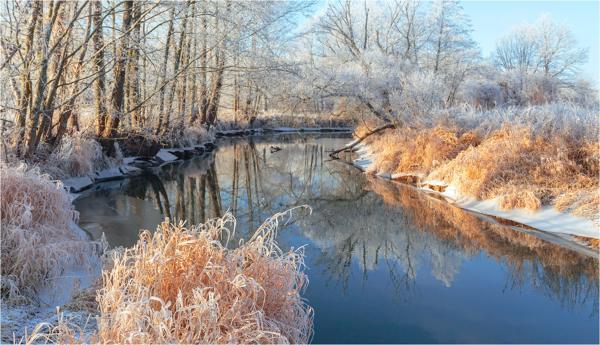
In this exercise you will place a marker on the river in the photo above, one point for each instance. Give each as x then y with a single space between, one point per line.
386 263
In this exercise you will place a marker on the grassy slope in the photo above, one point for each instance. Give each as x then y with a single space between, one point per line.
529 163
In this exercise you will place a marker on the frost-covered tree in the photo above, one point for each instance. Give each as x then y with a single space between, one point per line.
450 39
543 47
398 58
558 51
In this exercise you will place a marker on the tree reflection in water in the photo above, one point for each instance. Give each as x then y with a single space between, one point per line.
359 220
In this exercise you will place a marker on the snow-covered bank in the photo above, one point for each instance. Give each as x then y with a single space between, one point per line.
545 219
134 166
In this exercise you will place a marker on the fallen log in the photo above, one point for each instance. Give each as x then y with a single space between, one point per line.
334 154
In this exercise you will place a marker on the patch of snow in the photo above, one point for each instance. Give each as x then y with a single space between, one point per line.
285 129
129 160
60 290
108 174
364 160
166 156
129 170
434 183
363 164
19 319
337 129
385 175
353 142
77 184
546 218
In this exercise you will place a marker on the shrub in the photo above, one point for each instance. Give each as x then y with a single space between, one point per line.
418 151
183 285
525 157
76 155
37 239
523 169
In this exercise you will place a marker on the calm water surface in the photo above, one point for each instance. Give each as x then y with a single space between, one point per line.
386 263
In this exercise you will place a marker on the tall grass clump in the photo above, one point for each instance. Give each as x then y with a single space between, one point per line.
183 285
76 155
522 169
37 239
418 151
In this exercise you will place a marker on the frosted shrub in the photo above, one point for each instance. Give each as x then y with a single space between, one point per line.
483 93
420 94
76 155
37 239
194 135
527 157
185 286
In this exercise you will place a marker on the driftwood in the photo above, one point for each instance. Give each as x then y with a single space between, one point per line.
334 154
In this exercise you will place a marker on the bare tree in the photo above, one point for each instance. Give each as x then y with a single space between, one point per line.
544 47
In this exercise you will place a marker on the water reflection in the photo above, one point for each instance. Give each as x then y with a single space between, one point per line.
381 238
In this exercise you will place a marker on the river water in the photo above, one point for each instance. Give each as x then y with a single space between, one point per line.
386 262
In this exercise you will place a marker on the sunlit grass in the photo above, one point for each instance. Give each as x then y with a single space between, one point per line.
184 285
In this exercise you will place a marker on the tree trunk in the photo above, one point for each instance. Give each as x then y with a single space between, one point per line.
33 119
67 113
25 99
161 101
118 91
176 64
59 67
193 114
203 66
133 79
99 84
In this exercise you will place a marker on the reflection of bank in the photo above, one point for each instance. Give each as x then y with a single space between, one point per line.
403 229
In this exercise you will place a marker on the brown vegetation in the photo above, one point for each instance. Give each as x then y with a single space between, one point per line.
183 285
521 167
418 151
37 239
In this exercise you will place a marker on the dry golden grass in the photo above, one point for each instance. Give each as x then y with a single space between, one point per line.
418 151
37 241
520 167
525 170
183 285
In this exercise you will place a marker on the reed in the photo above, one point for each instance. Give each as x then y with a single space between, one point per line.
184 285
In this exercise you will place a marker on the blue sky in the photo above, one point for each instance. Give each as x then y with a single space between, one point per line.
492 19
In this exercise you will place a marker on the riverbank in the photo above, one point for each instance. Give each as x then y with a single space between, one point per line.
509 174
134 165
73 280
